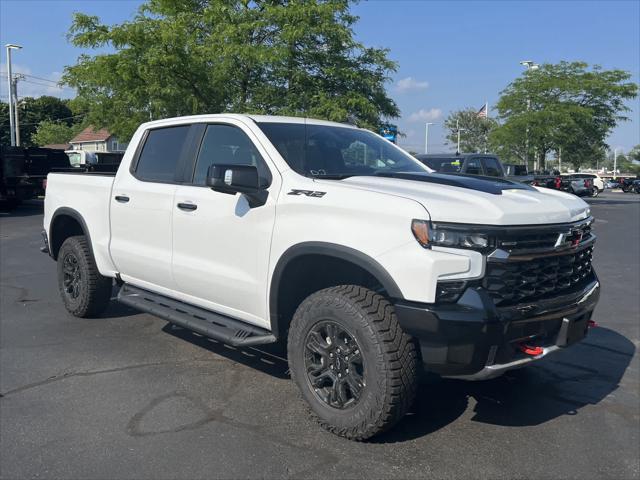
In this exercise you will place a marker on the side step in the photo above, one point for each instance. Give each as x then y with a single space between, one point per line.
205 322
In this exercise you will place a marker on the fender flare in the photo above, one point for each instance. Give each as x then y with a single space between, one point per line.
367 263
69 212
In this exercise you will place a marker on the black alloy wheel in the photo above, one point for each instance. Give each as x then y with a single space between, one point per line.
334 365
72 275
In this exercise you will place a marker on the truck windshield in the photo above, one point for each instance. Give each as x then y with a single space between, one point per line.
337 152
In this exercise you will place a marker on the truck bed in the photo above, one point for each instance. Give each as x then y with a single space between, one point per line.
88 194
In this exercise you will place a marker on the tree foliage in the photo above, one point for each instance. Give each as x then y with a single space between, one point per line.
32 112
49 132
566 106
183 57
475 130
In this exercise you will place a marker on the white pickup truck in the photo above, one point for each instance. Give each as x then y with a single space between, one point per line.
253 229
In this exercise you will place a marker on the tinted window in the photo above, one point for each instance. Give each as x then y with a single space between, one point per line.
161 154
473 167
227 145
325 151
492 167
443 165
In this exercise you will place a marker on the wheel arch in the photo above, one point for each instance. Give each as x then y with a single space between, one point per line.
66 222
338 264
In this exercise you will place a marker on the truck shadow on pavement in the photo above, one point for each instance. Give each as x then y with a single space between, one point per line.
270 359
562 384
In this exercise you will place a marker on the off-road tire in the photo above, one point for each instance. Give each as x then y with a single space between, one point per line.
93 290
389 357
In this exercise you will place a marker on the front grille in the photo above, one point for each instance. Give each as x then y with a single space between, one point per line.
545 238
514 282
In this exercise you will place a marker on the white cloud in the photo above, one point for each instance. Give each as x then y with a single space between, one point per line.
423 115
46 84
410 84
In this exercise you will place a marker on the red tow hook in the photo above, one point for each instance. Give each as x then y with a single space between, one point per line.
530 349
593 324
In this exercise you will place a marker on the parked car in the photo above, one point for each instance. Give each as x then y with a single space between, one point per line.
580 184
595 178
626 184
566 183
23 170
612 184
250 229
464 163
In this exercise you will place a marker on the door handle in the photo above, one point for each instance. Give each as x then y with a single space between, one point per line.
122 198
187 206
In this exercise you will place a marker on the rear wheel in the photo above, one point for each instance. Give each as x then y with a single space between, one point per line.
355 367
84 291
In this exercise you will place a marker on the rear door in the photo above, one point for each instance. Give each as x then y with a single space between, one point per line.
142 208
220 244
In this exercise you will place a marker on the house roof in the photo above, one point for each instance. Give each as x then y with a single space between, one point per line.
91 135
58 146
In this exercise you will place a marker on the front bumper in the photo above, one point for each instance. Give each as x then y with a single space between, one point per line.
474 339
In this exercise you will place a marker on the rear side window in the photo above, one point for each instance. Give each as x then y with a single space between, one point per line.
473 167
161 154
492 167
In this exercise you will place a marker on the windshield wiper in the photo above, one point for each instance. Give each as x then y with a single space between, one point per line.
331 176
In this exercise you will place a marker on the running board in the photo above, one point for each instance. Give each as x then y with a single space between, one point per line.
205 322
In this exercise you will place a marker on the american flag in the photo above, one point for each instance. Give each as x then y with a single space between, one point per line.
482 113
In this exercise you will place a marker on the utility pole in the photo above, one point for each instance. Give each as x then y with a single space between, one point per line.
11 46
16 116
426 137
615 162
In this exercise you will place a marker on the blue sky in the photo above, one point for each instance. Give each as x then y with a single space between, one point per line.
451 54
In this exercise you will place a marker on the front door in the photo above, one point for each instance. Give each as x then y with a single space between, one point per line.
220 244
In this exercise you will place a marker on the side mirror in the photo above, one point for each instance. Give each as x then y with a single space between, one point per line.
233 178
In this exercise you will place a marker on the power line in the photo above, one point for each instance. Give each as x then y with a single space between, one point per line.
30 76
43 84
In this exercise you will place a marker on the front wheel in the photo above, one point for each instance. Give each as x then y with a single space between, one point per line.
84 291
595 192
353 364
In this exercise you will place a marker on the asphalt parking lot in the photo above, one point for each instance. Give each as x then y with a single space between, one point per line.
128 396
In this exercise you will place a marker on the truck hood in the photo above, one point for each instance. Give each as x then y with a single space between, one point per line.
466 199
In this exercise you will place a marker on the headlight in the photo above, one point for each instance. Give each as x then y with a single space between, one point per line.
456 236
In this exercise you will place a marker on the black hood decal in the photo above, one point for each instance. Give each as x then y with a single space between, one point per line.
491 185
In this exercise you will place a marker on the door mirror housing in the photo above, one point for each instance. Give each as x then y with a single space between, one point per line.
234 179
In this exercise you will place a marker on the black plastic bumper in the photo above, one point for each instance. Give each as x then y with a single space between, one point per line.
473 337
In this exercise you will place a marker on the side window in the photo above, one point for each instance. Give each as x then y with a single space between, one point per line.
492 167
228 145
161 154
474 167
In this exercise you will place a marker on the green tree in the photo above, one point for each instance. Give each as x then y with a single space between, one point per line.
5 134
53 132
634 154
290 57
565 107
475 130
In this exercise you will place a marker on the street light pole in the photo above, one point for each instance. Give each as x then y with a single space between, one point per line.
12 128
426 137
615 162
530 65
458 130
